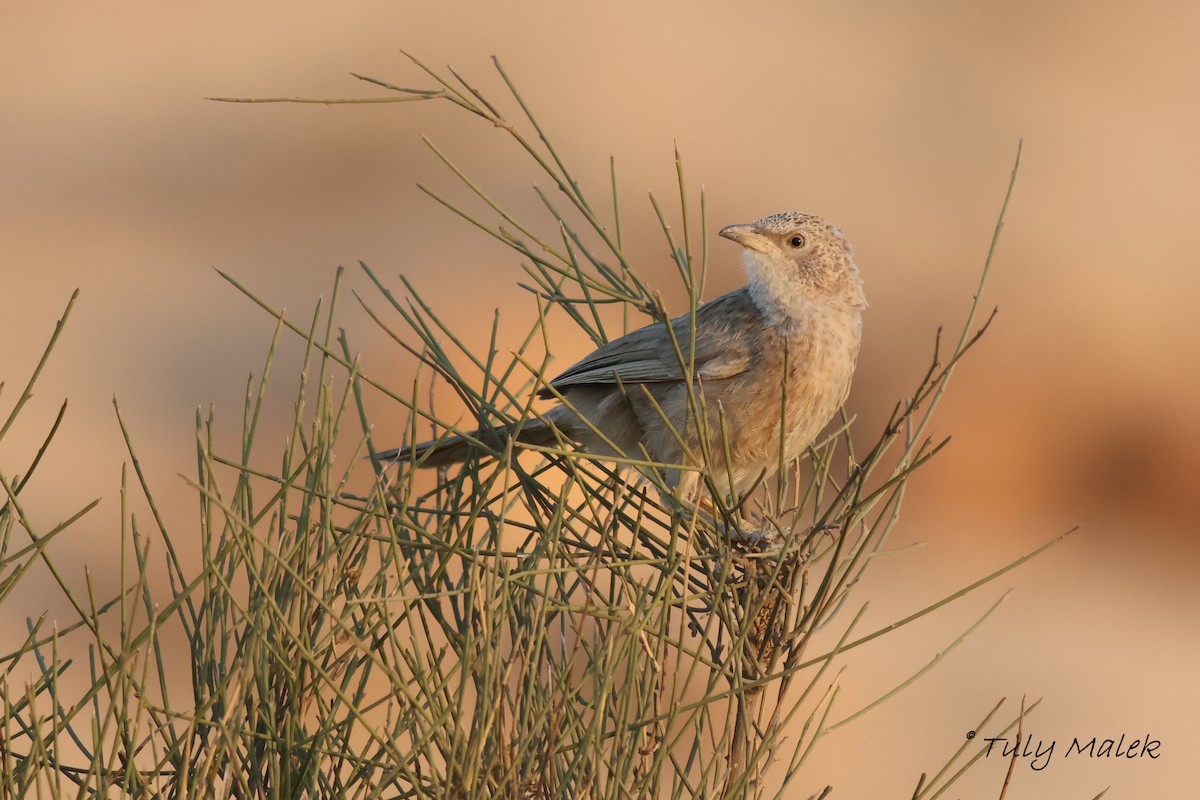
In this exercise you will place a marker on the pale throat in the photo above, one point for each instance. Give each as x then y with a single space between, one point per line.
786 303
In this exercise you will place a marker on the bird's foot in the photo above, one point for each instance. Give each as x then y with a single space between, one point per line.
765 539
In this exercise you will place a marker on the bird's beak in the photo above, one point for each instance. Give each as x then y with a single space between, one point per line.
747 236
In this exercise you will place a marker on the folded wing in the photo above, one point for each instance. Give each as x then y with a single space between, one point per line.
648 355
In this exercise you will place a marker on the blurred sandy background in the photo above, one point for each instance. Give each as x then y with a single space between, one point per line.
897 120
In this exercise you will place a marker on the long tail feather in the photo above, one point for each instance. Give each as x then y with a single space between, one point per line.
456 449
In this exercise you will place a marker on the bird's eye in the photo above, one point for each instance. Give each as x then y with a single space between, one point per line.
796 241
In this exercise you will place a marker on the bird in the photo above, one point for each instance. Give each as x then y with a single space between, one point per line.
773 362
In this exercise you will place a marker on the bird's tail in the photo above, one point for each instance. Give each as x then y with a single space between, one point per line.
456 449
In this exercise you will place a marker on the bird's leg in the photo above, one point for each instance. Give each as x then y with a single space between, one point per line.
745 535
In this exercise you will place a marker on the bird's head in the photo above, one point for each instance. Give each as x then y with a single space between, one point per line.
794 259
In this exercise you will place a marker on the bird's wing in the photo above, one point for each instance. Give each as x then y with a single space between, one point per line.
724 329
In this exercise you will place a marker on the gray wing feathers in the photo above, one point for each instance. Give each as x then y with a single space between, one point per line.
726 365
647 355
640 370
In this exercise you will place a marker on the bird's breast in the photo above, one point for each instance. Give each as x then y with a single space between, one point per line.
820 365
